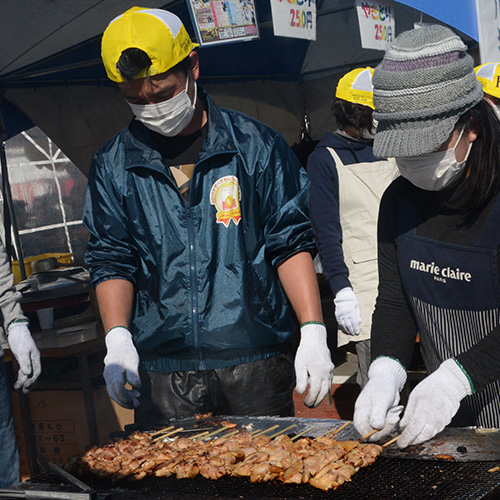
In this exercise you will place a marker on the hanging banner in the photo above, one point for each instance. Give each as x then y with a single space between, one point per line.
294 18
488 24
222 21
376 23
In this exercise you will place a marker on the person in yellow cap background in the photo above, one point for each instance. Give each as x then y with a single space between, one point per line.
489 76
200 243
347 182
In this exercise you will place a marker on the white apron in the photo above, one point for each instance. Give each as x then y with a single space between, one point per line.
361 186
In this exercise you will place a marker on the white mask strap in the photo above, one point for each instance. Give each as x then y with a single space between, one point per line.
459 138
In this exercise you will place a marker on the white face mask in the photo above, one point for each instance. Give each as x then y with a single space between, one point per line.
433 171
168 117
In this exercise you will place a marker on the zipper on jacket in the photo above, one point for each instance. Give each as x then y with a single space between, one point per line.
193 280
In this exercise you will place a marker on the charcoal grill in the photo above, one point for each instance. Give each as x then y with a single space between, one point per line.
390 477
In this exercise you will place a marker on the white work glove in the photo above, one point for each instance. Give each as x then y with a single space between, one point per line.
377 405
313 364
347 311
122 366
26 353
433 403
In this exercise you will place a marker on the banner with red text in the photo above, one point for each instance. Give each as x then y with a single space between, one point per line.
376 23
294 18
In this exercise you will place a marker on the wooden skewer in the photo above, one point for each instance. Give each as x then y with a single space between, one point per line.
330 434
198 435
328 399
213 433
259 433
368 435
325 433
282 431
302 433
167 434
393 440
231 433
161 431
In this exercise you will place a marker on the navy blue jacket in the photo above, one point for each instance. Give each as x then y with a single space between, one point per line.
207 293
324 201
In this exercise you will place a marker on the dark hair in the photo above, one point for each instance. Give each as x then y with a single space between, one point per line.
132 61
356 115
483 163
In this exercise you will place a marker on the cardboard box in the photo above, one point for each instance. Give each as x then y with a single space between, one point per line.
60 423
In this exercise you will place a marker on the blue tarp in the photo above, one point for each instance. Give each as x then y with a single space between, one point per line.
460 14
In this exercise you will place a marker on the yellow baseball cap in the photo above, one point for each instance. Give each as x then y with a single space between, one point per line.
489 76
157 32
356 86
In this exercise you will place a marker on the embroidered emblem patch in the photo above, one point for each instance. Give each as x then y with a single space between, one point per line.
225 195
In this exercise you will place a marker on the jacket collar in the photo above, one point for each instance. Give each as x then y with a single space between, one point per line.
141 150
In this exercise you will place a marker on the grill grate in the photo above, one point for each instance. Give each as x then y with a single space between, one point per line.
388 478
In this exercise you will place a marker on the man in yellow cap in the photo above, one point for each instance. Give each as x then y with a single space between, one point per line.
200 243
347 181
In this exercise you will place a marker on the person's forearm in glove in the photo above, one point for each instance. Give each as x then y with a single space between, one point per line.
313 364
115 298
377 405
433 403
347 311
26 353
122 367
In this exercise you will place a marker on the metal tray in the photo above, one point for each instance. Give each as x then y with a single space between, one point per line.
463 444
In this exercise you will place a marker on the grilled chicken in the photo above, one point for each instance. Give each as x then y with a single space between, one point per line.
321 462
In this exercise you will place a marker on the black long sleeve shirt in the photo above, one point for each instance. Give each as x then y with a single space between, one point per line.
394 328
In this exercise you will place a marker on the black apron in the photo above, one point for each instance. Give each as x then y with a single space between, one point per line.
454 292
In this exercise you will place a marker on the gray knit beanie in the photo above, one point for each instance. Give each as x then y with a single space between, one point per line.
425 82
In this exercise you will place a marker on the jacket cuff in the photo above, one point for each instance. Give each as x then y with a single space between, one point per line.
339 283
464 372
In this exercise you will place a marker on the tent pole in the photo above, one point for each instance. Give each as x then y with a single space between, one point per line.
6 220
7 195
9 215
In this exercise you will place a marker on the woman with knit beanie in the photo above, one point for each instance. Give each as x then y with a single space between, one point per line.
438 241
